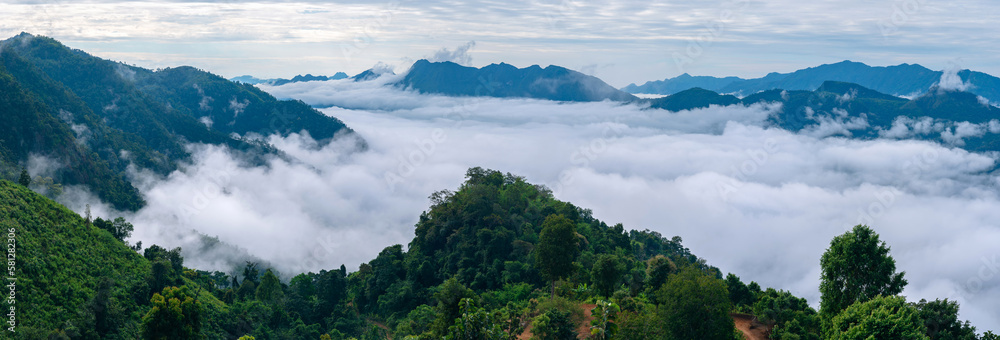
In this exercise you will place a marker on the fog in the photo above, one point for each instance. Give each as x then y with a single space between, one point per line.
751 199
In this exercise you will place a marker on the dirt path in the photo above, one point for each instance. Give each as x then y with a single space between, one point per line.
751 328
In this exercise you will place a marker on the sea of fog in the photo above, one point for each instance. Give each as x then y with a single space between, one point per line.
753 200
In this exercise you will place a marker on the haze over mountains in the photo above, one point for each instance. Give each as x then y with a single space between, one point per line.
899 80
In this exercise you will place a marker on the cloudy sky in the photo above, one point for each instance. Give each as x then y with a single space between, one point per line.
619 41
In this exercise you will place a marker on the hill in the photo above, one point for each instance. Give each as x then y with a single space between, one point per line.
899 80
506 81
101 116
60 263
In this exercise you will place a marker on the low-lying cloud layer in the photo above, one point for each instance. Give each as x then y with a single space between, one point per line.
760 202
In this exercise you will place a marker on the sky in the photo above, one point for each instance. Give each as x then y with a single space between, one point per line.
621 42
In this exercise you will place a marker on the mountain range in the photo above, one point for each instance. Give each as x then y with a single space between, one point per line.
900 80
281 81
91 119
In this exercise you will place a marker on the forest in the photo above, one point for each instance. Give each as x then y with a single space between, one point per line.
498 258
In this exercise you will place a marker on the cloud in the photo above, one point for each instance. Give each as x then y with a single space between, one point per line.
760 202
950 81
459 56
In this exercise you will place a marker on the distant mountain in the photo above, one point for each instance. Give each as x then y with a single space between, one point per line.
280 81
371 73
504 80
680 83
840 108
93 117
900 80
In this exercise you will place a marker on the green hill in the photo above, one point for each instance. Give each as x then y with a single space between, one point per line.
96 117
61 262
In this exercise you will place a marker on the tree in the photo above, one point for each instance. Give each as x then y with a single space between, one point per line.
694 305
269 291
739 294
658 268
941 319
174 315
856 268
25 179
449 295
475 324
557 248
880 318
607 274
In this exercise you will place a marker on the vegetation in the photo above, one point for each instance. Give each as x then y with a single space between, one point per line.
857 268
96 117
471 272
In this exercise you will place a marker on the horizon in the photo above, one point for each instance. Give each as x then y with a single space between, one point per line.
619 42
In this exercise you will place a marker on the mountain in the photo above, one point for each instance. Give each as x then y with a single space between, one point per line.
504 80
371 73
680 83
900 80
948 116
281 81
93 117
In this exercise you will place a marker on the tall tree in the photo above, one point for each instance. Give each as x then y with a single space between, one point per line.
557 248
607 274
857 268
269 291
25 178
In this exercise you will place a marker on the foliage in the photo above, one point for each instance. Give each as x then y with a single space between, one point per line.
557 247
695 305
603 326
940 317
607 274
880 318
856 268
554 324
175 314
791 316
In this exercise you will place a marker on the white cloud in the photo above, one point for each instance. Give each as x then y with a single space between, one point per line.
759 202
950 81
459 56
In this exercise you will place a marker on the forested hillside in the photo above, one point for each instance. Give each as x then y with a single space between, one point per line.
499 258
95 117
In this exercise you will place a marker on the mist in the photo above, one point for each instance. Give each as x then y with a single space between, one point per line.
754 200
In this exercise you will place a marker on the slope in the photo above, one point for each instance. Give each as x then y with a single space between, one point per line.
59 264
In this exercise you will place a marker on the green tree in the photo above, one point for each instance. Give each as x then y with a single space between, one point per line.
174 315
554 324
694 305
25 179
269 291
475 324
880 318
658 268
941 319
607 274
856 268
739 294
989 335
449 295
557 248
